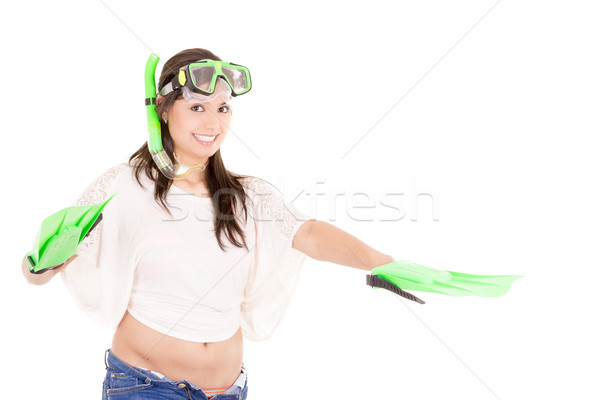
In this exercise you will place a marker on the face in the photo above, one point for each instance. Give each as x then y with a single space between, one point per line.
194 125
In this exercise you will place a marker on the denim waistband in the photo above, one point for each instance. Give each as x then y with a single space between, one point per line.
114 362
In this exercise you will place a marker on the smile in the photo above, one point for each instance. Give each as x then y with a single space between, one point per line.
205 139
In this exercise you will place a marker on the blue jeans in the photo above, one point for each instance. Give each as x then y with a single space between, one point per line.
125 382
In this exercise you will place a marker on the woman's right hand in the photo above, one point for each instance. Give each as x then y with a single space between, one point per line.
43 278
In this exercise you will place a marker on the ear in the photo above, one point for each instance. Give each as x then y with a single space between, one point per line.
159 100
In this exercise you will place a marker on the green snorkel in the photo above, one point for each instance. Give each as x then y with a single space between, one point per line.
159 155
155 143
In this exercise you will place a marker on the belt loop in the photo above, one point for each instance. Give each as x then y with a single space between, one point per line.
106 358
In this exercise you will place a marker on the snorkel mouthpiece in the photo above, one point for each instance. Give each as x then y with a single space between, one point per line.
159 155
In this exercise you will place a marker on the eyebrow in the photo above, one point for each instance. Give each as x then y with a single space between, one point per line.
222 104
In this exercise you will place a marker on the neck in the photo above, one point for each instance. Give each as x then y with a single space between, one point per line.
195 178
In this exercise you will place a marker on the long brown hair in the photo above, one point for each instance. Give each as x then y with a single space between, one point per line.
224 186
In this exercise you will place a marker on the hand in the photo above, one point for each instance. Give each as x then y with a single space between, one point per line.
57 268
43 278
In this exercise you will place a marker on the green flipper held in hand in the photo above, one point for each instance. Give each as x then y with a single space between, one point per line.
406 275
60 235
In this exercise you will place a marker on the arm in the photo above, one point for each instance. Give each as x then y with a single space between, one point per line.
42 279
96 193
324 242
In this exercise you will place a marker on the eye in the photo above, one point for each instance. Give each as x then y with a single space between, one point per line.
197 108
225 109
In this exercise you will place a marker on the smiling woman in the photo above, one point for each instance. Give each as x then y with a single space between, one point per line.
182 292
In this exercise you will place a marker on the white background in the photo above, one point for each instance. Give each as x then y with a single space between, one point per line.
495 120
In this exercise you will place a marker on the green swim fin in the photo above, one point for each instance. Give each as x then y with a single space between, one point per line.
60 235
406 275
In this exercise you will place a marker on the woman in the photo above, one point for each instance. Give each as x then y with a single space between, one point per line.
183 269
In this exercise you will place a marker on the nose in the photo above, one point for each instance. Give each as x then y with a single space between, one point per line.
212 121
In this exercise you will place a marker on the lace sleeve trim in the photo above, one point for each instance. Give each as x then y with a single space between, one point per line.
97 192
285 216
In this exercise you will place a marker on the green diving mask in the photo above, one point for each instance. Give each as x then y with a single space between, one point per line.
201 77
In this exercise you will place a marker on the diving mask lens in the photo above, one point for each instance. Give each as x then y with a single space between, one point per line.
238 79
202 78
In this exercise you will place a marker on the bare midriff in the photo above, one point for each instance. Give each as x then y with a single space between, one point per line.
207 365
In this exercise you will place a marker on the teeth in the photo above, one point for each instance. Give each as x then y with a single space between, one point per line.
205 138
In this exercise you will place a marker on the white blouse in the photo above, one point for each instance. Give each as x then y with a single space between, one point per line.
170 273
